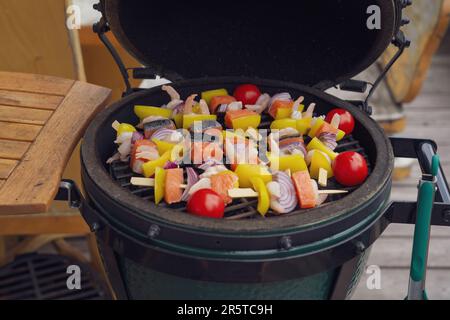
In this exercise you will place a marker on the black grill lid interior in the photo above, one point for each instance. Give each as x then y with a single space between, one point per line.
306 41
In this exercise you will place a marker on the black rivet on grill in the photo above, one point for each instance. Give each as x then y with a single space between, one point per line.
446 216
154 231
286 243
360 247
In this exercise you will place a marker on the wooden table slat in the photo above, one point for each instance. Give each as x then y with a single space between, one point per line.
24 115
31 187
34 83
6 167
30 100
19 131
13 150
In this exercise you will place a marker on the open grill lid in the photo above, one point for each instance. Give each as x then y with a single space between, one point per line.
319 43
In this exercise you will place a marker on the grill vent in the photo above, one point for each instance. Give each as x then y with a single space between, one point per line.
43 277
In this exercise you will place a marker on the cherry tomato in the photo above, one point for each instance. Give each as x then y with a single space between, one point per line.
347 123
247 94
206 203
350 169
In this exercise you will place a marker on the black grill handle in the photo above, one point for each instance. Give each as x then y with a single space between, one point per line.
405 212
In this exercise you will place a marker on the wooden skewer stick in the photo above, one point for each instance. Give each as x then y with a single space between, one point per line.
242 193
148 182
116 125
332 191
336 121
323 177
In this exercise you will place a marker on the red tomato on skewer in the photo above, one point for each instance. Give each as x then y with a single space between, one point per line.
247 94
347 123
206 203
350 169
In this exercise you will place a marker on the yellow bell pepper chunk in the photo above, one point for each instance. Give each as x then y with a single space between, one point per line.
316 144
145 111
304 125
160 181
189 119
163 146
319 160
125 127
316 127
340 135
284 113
247 122
246 172
178 118
263 195
208 95
294 163
150 167
283 124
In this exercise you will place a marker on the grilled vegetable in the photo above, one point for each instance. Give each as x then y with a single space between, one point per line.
350 168
125 127
247 93
192 179
209 95
316 144
246 172
160 180
347 123
143 151
294 163
149 168
286 200
145 111
263 195
242 119
206 203
319 160
189 119
319 123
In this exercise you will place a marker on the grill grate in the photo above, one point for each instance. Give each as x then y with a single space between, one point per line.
240 208
43 277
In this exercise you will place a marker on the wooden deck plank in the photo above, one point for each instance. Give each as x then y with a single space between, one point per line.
33 83
29 100
394 285
13 150
19 131
33 184
6 167
395 252
24 115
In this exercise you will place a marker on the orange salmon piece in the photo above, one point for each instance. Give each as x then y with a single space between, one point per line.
219 100
304 189
279 104
172 189
221 183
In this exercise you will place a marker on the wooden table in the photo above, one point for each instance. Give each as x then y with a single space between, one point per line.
42 119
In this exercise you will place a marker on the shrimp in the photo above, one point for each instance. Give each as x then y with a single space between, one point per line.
174 95
295 113
189 104
310 111
204 107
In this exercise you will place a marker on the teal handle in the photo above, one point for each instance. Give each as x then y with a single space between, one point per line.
425 202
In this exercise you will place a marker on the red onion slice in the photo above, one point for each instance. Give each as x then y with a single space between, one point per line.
192 179
288 197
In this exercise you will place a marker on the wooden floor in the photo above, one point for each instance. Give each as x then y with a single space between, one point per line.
427 117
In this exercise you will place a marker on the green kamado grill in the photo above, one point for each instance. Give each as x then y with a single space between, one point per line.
161 252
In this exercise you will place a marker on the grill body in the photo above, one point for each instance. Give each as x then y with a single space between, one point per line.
157 252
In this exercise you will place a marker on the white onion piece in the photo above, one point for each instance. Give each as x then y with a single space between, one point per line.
274 189
137 166
192 179
288 197
316 190
125 148
204 183
162 134
263 101
322 199
126 136
234 106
